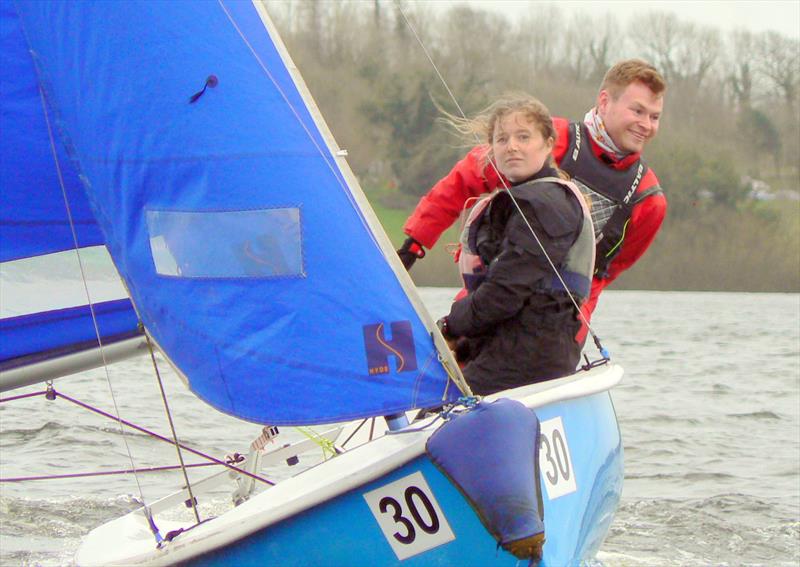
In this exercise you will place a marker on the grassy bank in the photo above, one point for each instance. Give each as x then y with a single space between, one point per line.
755 248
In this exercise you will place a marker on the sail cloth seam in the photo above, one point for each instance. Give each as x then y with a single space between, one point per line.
505 187
420 376
231 400
350 187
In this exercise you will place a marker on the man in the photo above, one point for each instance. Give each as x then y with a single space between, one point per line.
601 154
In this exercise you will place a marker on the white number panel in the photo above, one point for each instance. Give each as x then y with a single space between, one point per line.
555 462
409 516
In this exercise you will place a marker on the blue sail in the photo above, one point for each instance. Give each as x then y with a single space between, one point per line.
35 178
227 212
33 215
42 336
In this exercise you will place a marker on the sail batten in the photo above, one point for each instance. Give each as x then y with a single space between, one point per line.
256 265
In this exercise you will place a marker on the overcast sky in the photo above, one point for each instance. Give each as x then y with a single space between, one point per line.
782 16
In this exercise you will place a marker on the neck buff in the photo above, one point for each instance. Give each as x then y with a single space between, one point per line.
597 129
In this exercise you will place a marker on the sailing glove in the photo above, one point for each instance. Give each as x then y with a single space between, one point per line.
410 251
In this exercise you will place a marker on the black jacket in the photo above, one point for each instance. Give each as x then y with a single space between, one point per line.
516 333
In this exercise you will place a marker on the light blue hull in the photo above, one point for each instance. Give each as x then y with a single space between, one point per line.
344 531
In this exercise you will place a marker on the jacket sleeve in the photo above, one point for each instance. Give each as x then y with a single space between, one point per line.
442 205
562 138
514 273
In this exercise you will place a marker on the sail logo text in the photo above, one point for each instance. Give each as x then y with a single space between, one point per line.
400 346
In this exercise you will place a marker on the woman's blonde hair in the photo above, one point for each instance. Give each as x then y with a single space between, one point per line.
482 125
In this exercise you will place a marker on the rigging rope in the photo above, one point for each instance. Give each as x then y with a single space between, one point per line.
104 473
505 186
57 164
52 394
327 446
145 507
171 424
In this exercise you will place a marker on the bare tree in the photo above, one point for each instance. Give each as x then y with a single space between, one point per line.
684 52
590 46
475 51
538 38
779 61
740 71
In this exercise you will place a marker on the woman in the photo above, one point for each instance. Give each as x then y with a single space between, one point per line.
520 247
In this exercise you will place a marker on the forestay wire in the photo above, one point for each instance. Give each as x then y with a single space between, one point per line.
505 186
57 165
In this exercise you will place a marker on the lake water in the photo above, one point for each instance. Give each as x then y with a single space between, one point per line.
709 411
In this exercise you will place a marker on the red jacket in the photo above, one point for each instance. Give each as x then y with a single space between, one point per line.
442 205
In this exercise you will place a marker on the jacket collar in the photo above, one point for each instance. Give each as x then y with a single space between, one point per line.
610 160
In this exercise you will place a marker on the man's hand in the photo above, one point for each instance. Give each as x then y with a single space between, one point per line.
443 328
410 251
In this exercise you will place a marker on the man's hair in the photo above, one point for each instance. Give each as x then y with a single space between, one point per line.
631 71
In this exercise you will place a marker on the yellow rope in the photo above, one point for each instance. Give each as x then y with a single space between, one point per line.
327 446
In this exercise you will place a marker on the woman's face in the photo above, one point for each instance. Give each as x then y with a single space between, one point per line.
519 148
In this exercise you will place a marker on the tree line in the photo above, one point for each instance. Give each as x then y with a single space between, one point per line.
381 72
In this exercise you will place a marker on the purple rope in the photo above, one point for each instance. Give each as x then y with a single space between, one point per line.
104 473
143 430
157 436
22 396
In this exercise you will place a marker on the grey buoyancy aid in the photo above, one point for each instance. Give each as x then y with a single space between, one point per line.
576 270
612 193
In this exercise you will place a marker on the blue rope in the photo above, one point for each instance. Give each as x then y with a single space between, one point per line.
468 402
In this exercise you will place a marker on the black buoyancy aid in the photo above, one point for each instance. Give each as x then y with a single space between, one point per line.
576 270
612 193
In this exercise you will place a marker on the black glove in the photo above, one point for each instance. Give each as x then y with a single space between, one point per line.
410 251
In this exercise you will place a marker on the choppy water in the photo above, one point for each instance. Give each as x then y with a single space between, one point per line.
709 412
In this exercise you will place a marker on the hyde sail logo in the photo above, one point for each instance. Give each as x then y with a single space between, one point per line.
400 347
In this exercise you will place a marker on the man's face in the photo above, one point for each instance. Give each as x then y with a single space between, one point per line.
632 119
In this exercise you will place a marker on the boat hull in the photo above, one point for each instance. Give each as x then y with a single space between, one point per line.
344 532
371 522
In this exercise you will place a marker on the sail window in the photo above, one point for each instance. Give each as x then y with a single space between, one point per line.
261 243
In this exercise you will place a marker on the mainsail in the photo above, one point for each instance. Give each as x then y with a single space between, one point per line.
36 178
247 248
